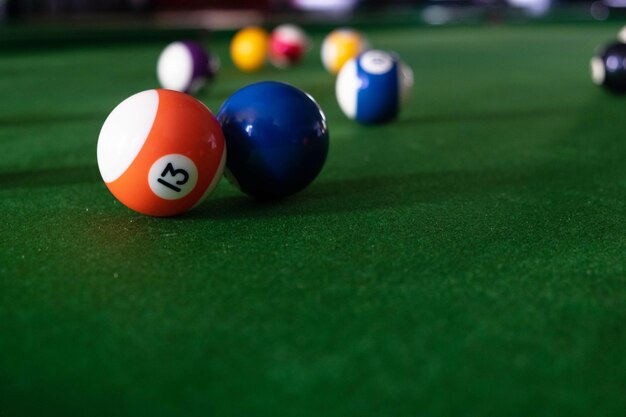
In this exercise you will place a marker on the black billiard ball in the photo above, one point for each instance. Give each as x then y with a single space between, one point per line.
608 67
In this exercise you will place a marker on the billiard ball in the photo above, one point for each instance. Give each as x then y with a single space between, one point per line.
288 44
277 139
608 67
340 46
186 66
621 36
161 152
248 49
372 87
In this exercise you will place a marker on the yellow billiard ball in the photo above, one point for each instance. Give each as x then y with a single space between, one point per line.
248 49
340 46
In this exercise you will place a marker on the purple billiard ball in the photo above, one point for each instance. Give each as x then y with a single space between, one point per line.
186 66
608 67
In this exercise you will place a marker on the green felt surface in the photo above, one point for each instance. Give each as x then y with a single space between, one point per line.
466 260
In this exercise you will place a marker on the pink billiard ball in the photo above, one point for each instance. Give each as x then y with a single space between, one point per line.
288 45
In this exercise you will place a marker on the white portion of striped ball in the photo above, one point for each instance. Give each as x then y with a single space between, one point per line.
327 53
124 133
347 87
216 179
598 72
175 67
376 62
289 33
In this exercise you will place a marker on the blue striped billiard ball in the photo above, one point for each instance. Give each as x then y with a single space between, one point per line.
373 86
276 139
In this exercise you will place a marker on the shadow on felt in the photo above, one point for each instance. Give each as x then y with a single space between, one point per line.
49 177
31 120
368 193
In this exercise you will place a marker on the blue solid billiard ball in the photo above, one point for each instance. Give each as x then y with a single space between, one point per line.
608 67
276 139
372 87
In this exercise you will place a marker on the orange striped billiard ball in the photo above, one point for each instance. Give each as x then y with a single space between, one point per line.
340 46
161 152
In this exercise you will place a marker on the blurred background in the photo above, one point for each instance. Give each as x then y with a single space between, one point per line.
223 14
